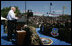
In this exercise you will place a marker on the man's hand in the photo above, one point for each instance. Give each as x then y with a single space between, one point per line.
17 18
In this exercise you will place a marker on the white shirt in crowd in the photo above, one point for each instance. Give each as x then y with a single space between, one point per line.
11 15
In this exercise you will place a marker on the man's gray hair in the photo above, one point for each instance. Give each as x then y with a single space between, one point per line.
12 8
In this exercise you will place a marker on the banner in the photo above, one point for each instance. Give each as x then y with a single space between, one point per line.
54 32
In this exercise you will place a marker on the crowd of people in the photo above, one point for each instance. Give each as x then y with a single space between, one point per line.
63 24
38 20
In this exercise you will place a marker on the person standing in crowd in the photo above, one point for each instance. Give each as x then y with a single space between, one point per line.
11 22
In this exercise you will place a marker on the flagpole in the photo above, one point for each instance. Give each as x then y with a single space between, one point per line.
63 9
26 13
50 7
25 6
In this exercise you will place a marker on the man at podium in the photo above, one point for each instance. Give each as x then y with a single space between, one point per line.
11 22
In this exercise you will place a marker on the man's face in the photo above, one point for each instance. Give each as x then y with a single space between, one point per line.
14 9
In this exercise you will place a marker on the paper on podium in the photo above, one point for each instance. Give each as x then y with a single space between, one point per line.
21 31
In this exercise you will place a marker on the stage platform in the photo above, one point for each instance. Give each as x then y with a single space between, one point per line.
55 41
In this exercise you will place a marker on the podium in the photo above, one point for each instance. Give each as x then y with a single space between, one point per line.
20 37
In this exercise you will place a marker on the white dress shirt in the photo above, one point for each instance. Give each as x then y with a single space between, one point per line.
11 15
